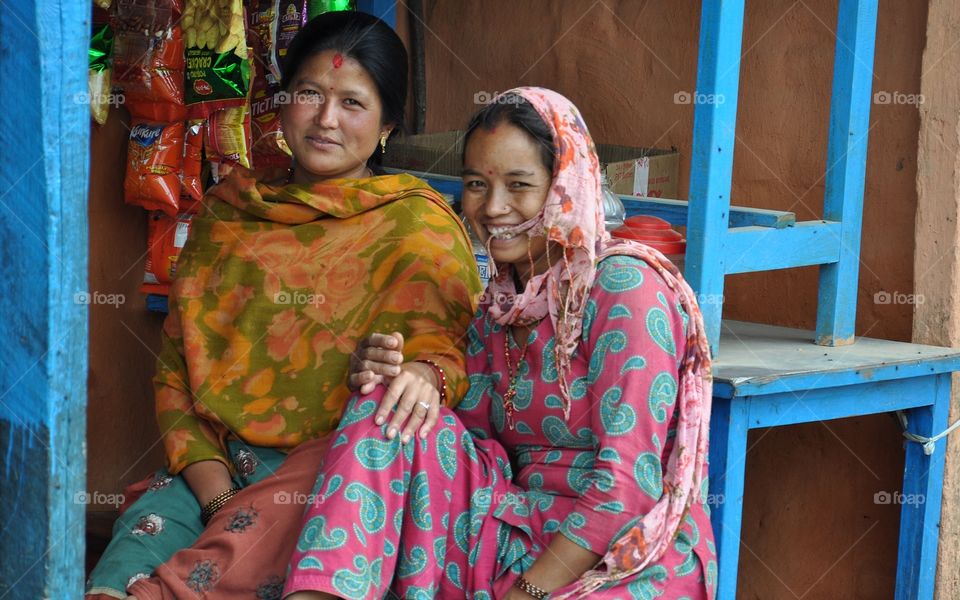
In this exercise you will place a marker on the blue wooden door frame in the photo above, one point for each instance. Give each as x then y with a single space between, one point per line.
44 154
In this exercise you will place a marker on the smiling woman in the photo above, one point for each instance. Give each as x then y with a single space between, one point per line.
283 273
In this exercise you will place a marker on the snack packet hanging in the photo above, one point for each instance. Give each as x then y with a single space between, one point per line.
149 58
215 81
154 162
166 237
191 173
227 140
98 76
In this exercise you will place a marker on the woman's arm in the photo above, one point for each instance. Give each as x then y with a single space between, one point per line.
633 334
192 447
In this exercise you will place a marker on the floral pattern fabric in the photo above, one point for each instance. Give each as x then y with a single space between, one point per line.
276 285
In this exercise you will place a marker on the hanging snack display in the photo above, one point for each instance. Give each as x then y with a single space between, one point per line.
192 171
226 140
268 146
148 58
154 161
98 78
215 81
215 25
166 236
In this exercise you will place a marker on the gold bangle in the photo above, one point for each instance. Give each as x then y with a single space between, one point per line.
219 501
528 588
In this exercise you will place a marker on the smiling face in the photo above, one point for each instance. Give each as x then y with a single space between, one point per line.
334 122
504 184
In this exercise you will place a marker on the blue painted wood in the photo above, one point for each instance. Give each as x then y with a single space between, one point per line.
384 9
765 359
44 125
728 452
771 376
846 166
821 404
922 496
711 169
676 212
748 249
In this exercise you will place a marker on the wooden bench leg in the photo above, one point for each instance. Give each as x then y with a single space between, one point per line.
728 449
921 499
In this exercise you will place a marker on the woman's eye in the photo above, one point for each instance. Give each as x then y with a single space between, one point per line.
519 184
473 184
309 92
351 102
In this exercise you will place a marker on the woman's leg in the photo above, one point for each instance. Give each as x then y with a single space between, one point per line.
243 551
163 520
404 517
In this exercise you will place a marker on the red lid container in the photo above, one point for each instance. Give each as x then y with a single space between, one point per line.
653 232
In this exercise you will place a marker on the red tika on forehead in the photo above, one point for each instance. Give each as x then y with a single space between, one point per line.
337 60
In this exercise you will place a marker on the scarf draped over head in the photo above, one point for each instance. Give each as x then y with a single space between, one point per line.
573 218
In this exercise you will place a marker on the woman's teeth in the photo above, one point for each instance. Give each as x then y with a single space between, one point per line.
501 233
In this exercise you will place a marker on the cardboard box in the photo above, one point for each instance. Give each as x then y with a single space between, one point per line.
648 172
644 172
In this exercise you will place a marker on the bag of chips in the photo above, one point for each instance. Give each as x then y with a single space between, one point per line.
148 59
98 78
227 140
166 236
215 81
191 175
154 162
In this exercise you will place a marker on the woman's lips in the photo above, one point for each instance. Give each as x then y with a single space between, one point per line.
321 143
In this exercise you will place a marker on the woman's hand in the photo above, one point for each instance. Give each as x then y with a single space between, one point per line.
412 387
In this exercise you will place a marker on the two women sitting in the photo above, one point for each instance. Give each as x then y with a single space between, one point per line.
573 460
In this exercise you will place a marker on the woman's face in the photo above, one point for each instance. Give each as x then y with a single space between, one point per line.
504 184
334 121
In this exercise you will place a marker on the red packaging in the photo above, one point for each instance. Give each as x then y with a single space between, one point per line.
191 174
148 62
154 162
165 239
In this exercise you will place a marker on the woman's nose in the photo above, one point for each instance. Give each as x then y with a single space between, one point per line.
498 203
326 115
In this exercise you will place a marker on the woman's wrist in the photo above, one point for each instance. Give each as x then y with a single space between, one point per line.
218 502
440 379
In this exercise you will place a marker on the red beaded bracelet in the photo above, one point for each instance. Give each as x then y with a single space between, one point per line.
441 377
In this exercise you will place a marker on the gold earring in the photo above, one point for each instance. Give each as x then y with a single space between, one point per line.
383 143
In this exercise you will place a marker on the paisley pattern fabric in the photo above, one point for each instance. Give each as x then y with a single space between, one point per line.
572 218
276 285
463 512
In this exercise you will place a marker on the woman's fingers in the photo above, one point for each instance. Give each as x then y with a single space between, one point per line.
433 415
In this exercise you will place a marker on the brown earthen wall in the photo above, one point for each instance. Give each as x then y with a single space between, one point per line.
811 527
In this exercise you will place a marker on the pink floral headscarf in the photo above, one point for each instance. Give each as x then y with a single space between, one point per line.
573 218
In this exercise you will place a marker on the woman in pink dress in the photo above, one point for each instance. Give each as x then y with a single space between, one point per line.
575 465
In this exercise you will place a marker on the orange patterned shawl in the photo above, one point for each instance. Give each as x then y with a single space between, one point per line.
276 285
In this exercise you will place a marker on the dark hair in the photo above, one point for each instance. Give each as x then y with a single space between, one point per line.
364 38
515 110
